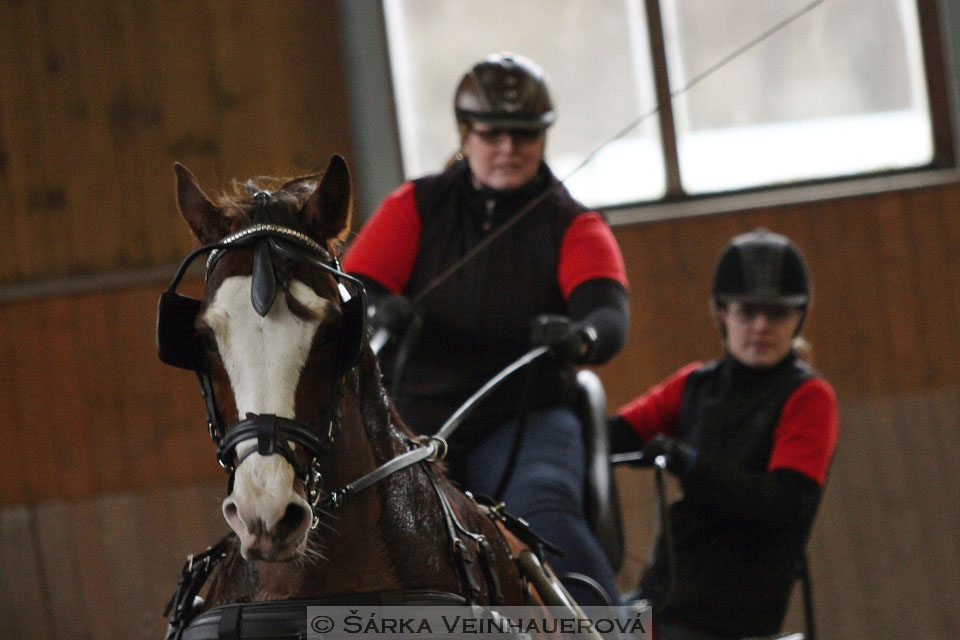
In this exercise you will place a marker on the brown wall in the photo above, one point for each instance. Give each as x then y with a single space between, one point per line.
100 97
107 479
106 474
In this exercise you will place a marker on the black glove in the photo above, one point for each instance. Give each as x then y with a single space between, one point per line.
679 455
568 341
389 313
623 439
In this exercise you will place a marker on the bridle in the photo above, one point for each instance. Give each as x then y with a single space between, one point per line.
179 344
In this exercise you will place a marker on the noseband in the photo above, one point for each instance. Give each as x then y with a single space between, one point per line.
179 344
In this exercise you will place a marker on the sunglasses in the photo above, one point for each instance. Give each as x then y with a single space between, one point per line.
517 135
772 312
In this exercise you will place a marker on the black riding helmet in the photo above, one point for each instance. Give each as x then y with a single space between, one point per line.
507 90
762 267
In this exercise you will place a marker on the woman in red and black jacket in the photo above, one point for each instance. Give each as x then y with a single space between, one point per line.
553 277
750 437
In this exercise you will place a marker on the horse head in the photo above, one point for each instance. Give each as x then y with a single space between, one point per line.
300 418
273 338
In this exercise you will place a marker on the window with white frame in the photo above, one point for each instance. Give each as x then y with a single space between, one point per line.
762 92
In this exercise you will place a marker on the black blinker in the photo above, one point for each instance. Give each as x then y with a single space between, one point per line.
178 342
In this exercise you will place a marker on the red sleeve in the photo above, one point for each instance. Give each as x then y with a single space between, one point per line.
658 410
806 434
589 251
386 248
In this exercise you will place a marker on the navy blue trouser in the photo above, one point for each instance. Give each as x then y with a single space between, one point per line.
545 489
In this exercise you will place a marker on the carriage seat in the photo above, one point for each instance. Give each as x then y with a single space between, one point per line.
600 491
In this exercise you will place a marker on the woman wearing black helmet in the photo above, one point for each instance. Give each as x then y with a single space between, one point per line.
553 275
750 437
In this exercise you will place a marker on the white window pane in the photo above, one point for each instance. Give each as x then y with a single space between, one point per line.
839 91
596 57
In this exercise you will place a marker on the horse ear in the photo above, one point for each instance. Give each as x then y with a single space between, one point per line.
205 219
327 211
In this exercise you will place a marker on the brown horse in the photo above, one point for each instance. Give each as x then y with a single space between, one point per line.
330 495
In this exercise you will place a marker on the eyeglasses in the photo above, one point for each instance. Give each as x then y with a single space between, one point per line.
517 135
774 313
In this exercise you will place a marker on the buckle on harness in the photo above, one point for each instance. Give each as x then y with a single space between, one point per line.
439 445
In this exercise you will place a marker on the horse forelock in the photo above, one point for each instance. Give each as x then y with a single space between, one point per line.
240 204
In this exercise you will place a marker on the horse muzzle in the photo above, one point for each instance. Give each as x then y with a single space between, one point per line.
271 519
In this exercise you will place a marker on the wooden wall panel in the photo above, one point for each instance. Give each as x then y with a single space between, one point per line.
98 99
20 582
101 567
88 407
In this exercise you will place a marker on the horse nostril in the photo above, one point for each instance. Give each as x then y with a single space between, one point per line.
230 510
251 526
293 517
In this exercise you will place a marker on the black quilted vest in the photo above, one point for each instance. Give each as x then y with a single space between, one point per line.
731 578
477 321
730 410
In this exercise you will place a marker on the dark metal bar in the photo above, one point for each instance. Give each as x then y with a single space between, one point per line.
668 132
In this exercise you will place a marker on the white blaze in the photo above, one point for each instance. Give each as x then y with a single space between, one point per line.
263 357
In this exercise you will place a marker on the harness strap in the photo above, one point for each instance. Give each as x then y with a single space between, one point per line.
333 422
194 574
488 560
461 555
518 527
461 413
272 433
229 627
430 449
214 419
487 556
